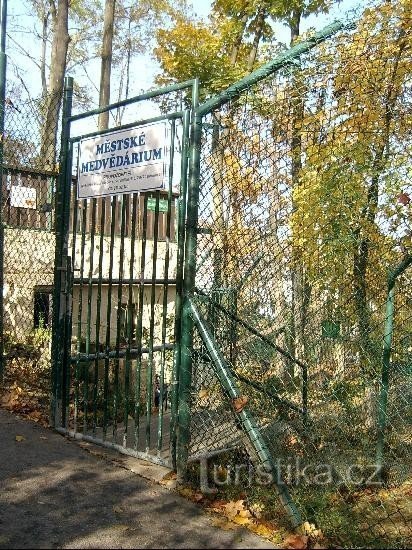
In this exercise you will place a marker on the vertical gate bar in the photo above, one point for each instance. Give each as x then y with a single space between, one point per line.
74 368
59 361
130 314
150 366
98 312
74 225
92 230
108 316
124 202
139 328
181 220
68 340
69 300
166 287
3 68
80 368
185 374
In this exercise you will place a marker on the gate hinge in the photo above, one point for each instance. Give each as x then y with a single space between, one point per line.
65 269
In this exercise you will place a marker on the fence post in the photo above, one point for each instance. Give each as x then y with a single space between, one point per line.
3 66
179 285
186 344
61 261
386 363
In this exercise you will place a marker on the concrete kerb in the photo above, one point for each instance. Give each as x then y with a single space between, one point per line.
148 470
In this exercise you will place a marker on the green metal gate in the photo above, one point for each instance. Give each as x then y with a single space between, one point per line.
117 292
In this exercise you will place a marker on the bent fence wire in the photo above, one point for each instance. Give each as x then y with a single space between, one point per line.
27 213
301 300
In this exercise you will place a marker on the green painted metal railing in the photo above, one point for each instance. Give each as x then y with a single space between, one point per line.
386 363
104 362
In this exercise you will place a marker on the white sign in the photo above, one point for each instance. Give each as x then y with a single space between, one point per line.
123 161
23 197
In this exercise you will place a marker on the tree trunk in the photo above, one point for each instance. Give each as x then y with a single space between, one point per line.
238 40
45 26
260 22
53 100
125 76
361 254
106 62
294 25
301 289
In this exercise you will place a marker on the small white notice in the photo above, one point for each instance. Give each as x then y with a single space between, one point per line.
22 197
122 161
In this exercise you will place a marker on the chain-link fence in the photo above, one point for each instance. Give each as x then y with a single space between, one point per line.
28 187
302 309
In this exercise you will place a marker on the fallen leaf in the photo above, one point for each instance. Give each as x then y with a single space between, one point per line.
233 507
117 509
239 403
20 438
170 475
296 542
197 497
224 524
404 199
35 416
304 529
309 529
203 393
186 492
261 530
216 506
257 509
240 520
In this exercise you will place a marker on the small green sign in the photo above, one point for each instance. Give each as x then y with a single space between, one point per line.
151 204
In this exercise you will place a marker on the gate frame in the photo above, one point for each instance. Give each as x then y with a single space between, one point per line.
64 264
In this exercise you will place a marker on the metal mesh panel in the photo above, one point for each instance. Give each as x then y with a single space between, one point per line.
30 152
123 248
303 247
